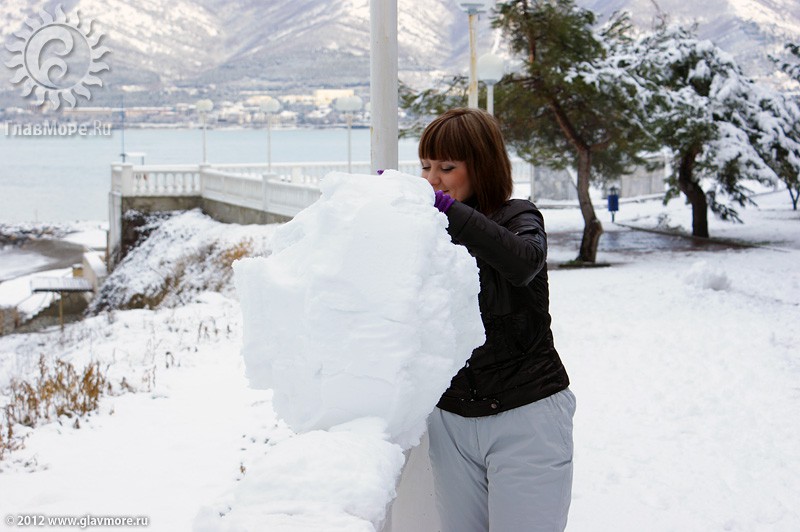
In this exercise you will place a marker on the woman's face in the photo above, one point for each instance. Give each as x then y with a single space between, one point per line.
450 177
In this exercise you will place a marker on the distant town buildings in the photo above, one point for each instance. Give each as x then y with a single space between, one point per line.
314 109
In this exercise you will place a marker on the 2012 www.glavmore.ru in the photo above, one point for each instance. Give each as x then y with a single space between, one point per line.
83 521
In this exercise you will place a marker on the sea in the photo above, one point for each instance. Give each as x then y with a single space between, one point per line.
68 178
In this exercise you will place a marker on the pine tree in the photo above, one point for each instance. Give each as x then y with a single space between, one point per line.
573 102
778 138
707 112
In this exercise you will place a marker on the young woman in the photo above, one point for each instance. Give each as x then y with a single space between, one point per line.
501 435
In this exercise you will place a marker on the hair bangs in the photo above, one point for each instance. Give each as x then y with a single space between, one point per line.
444 140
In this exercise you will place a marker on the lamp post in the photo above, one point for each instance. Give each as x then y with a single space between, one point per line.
204 107
349 105
490 71
473 9
268 106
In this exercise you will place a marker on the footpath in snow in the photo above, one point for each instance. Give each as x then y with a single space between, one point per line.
684 364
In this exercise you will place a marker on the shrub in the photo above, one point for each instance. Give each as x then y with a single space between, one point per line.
58 390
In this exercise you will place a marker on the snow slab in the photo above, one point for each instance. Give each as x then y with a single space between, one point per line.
364 309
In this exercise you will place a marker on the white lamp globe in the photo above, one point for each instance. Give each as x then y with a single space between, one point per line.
490 68
348 104
205 106
269 104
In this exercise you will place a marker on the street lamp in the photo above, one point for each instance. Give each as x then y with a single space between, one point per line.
204 107
473 9
490 71
349 105
269 106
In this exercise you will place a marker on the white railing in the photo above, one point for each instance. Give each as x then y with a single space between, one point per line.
245 190
308 173
152 180
285 191
287 199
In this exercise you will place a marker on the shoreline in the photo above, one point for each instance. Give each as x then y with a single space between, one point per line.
37 256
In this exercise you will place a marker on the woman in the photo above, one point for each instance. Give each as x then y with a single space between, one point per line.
501 435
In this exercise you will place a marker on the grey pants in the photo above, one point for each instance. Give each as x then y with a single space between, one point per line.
506 473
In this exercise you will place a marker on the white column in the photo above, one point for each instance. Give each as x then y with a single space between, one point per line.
349 143
205 158
383 84
473 64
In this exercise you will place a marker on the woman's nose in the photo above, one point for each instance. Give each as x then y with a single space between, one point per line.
432 177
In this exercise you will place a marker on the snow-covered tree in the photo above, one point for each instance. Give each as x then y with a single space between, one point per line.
425 105
791 66
778 138
710 114
573 103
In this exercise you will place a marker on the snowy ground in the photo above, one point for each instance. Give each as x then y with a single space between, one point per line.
684 364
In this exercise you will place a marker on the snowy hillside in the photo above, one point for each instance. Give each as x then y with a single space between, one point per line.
312 43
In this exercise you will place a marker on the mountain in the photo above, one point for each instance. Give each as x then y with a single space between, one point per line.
231 46
256 44
747 29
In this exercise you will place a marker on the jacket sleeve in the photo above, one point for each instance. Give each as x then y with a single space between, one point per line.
517 250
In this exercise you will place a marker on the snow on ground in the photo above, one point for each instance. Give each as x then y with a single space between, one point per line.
91 235
684 364
17 292
15 262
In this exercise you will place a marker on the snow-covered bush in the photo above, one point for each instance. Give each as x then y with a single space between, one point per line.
184 255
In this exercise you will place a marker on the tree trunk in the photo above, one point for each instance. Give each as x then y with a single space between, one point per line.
794 197
592 228
694 193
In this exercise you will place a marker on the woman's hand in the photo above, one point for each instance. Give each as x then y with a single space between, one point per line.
442 201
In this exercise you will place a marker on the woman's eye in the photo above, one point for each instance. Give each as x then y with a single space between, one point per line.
448 169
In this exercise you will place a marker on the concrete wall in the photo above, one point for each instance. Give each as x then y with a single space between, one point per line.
159 203
233 214
414 508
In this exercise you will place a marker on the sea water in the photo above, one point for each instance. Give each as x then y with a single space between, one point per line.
59 179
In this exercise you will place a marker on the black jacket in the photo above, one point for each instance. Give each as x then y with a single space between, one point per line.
518 363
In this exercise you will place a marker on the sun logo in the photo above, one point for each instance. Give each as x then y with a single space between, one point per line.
57 58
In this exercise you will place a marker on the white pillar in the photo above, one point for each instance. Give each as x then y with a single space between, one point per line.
205 159
383 84
269 142
473 64
349 143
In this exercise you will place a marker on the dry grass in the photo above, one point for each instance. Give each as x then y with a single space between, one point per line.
240 250
58 390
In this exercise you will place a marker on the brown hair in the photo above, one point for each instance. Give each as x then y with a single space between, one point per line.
472 136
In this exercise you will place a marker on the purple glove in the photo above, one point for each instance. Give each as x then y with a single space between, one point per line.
442 201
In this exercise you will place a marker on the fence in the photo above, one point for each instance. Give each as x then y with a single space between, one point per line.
285 189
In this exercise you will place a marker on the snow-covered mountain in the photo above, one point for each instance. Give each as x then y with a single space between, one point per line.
288 44
748 29
258 43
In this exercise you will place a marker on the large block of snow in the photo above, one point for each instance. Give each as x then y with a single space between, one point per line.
364 309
